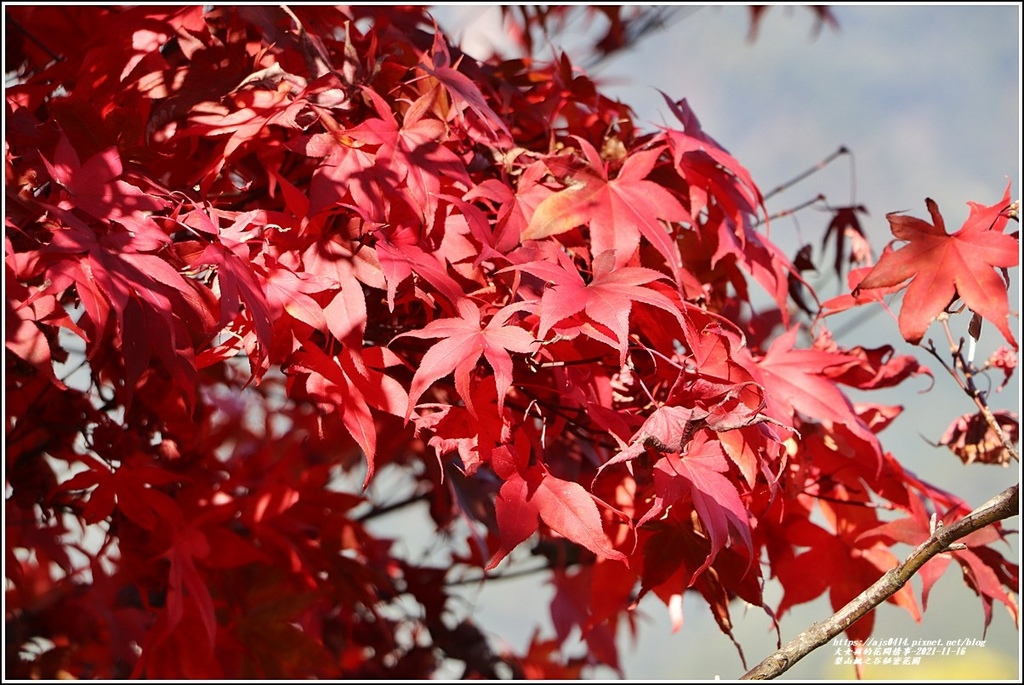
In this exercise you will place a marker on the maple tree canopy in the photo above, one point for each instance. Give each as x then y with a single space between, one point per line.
255 256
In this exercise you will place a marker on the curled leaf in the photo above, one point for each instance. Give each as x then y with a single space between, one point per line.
971 438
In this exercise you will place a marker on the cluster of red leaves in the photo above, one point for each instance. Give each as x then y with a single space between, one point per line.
281 244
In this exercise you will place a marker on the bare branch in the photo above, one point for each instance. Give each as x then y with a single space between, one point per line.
1002 506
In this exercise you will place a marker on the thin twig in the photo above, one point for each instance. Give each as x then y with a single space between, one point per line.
394 506
1002 506
801 176
488 577
54 56
967 384
792 210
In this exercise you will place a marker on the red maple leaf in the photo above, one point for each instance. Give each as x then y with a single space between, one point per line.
721 189
476 440
349 385
713 174
237 282
462 90
188 603
464 341
401 255
1005 361
413 152
856 297
256 109
618 211
563 505
543 660
149 297
800 381
844 562
699 475
516 204
878 367
607 299
942 267
128 488
96 188
823 15
346 311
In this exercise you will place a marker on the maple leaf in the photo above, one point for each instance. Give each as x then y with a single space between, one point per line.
483 438
1005 361
618 211
463 344
721 188
845 224
516 205
801 262
346 311
941 267
607 299
563 505
257 108
400 255
823 15
348 175
414 152
127 487
150 299
709 168
699 475
97 188
877 368
185 580
462 90
857 297
346 384
732 410
798 381
573 607
238 285
29 319
843 562
971 438
543 660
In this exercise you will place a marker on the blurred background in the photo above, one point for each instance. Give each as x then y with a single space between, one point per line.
928 99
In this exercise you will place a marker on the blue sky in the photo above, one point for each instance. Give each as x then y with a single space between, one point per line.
928 98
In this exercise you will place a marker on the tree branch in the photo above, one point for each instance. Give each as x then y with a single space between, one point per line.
394 506
966 383
1002 506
